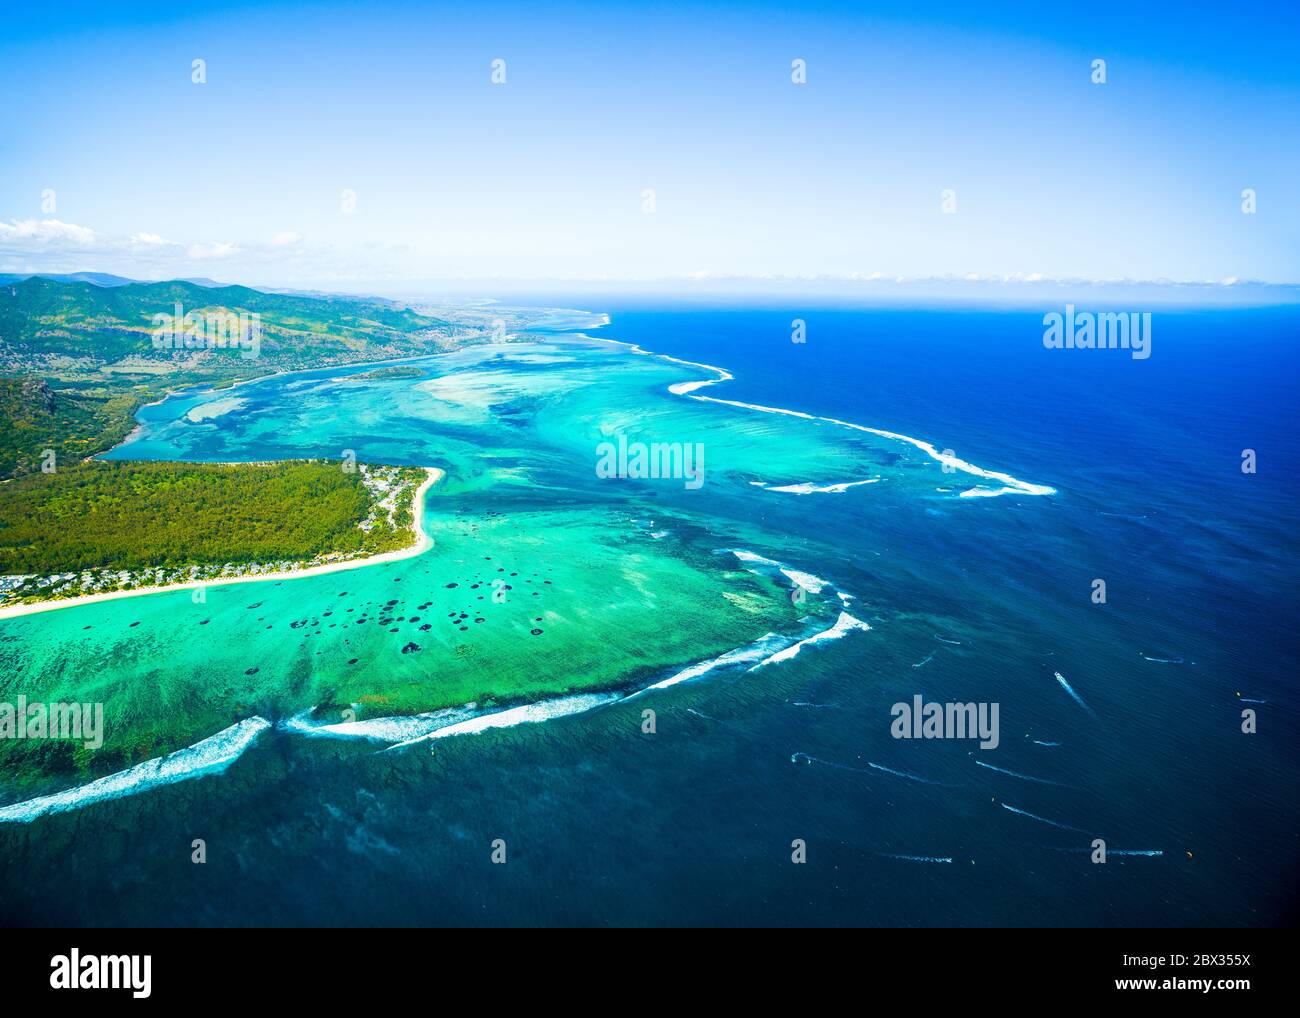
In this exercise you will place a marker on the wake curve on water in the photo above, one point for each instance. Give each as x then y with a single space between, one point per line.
1044 820
910 776
1150 852
1076 697
210 756
1022 777
805 758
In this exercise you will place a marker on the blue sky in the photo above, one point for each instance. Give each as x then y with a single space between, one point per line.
544 177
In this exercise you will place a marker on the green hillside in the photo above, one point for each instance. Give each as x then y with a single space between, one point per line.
77 360
43 319
34 418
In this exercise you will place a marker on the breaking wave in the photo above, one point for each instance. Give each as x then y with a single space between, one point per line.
210 756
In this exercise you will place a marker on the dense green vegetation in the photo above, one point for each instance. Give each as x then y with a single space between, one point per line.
396 371
73 424
132 516
44 317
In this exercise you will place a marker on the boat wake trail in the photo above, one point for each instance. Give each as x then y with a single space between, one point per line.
1075 696
910 776
806 759
1022 777
1044 820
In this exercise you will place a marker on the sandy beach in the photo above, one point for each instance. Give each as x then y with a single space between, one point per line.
422 544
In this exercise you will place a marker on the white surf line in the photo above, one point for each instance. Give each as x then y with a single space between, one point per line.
1076 697
442 724
812 488
529 713
210 756
809 582
844 625
394 728
1010 485
916 858
756 651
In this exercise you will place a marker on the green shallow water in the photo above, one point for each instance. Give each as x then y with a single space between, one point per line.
604 583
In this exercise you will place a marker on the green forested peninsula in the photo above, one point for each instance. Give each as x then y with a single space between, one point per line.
112 525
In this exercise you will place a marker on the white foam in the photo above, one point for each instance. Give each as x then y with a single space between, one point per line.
755 651
812 488
809 582
386 729
210 756
1075 696
844 625
1010 485
529 713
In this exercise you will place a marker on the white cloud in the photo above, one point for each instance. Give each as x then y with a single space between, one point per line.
32 234
205 252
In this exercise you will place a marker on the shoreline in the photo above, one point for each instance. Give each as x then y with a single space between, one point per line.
199 387
423 542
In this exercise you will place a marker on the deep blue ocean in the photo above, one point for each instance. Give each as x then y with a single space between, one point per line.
970 600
